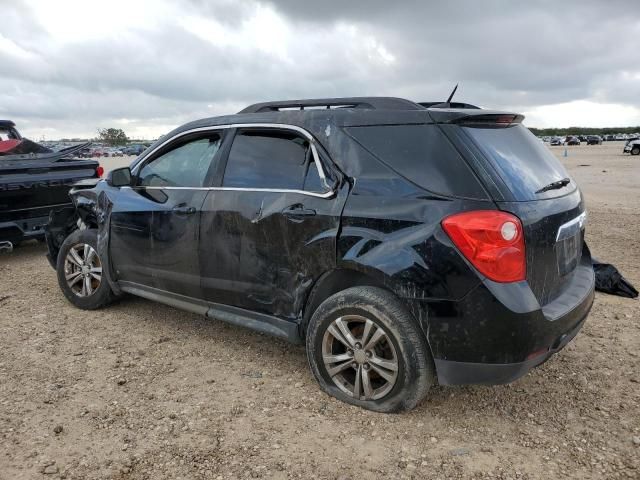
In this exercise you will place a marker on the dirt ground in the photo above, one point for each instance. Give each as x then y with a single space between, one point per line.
143 391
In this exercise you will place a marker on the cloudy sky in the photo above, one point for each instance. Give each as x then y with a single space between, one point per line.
69 67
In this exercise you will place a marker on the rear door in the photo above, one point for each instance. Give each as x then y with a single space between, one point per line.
155 225
268 232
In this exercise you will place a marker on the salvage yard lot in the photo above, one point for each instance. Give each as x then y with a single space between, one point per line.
144 391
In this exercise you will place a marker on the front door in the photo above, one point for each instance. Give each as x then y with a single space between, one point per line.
270 230
155 227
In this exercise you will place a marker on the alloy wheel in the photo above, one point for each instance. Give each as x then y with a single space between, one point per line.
360 357
83 270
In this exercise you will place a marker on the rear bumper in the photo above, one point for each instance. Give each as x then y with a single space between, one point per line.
499 332
465 373
17 230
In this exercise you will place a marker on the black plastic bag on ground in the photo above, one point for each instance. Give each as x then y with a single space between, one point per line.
609 280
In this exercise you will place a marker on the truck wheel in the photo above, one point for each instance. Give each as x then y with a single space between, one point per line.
635 151
365 348
79 268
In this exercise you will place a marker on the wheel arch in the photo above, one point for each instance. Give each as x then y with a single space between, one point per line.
330 283
340 279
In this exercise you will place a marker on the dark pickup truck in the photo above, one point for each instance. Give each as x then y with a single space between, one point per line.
34 180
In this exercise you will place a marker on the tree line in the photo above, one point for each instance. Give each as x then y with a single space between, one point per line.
562 132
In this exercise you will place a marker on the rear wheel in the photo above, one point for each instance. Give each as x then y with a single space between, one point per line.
364 348
80 271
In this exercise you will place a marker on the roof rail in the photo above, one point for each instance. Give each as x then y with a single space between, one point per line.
450 105
370 103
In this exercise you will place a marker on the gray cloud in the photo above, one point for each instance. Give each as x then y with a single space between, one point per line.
211 57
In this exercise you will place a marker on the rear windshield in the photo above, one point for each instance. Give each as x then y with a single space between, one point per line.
423 155
521 160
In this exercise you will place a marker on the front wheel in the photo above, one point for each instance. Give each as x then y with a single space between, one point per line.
635 151
80 271
364 348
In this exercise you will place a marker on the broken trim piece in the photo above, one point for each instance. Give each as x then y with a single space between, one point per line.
570 228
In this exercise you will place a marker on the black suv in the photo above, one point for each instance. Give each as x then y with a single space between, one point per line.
405 245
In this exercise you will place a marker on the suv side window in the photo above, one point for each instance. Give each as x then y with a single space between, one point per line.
267 159
183 166
312 180
423 155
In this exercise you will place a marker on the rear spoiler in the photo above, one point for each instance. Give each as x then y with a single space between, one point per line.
475 117
492 120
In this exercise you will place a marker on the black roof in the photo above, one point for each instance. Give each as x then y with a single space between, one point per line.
316 115
7 123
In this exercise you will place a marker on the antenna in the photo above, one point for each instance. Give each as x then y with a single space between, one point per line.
448 102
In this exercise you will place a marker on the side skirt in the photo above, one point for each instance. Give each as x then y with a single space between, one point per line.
260 322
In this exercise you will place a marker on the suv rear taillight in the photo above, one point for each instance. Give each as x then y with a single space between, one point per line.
492 241
99 171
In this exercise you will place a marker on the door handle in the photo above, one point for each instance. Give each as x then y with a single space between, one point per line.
298 212
183 210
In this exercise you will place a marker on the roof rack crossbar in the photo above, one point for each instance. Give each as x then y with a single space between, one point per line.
371 103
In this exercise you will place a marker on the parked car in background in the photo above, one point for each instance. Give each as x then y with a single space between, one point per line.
84 152
632 147
113 152
404 245
97 151
556 141
33 180
572 140
594 140
134 149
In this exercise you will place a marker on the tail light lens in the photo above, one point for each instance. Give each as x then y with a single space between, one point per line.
99 171
492 241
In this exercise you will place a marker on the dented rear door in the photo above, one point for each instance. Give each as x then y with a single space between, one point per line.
270 230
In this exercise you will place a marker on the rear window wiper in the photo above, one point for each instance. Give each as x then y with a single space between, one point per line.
555 185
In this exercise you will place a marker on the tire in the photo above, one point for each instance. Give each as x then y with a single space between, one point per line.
402 345
87 291
635 151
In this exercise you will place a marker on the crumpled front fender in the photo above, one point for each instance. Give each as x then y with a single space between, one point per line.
92 209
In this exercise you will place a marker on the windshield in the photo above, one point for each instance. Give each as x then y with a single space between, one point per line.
523 162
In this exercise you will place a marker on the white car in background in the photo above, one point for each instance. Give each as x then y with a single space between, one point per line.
632 146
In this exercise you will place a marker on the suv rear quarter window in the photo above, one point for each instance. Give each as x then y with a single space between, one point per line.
423 155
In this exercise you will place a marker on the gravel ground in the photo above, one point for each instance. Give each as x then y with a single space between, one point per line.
143 391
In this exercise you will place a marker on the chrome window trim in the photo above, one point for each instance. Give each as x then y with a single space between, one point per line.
578 222
328 194
278 126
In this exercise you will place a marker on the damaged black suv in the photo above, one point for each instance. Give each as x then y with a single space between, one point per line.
404 244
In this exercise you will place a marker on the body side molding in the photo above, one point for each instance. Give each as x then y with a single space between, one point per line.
260 322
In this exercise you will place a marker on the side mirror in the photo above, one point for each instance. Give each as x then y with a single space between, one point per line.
120 177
